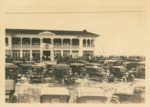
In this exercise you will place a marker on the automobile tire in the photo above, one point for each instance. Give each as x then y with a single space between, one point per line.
114 101
124 79
86 76
104 79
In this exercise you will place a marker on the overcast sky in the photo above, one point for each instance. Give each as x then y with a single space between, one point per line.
120 24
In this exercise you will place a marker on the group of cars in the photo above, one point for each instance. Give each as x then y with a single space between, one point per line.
66 74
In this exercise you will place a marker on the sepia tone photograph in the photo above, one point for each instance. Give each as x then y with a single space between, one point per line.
75 53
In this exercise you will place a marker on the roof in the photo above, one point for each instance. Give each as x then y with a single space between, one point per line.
54 91
77 64
55 32
88 91
121 67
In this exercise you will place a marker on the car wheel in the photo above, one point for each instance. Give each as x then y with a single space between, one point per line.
104 79
124 79
114 101
86 76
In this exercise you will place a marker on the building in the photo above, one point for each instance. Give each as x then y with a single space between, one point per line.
48 44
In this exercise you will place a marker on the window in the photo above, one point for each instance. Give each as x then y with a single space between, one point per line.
75 41
26 41
16 41
6 41
35 41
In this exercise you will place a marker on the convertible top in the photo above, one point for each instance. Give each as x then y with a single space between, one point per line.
121 67
88 91
77 64
54 91
10 65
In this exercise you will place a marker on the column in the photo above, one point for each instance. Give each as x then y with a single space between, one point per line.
80 47
30 42
61 43
30 54
41 54
70 43
21 42
41 42
52 55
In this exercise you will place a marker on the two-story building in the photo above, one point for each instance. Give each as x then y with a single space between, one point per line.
47 44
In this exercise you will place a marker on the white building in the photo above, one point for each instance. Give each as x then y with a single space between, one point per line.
47 44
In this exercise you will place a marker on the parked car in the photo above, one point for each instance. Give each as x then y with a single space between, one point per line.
37 73
121 73
94 72
11 71
63 73
26 69
134 96
77 68
109 63
50 69
9 89
94 64
137 68
54 95
91 95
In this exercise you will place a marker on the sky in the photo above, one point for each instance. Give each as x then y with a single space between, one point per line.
120 23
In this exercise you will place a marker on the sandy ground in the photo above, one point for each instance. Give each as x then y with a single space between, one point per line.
30 93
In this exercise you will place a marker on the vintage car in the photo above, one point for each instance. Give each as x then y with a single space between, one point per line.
133 96
109 63
26 69
121 73
11 71
137 68
77 68
94 64
91 95
30 62
63 73
50 69
54 95
9 89
140 72
97 73
37 74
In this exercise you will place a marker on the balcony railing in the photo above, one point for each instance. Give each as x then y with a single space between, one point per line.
66 46
35 46
25 45
75 46
57 46
16 45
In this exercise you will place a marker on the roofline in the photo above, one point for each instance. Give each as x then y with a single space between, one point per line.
90 34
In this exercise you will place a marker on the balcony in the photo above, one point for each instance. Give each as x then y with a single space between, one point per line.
57 46
75 46
16 46
66 46
25 45
35 46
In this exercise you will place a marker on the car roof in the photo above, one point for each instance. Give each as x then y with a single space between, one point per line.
121 67
50 63
95 67
112 60
27 65
90 91
54 91
93 64
77 64
18 62
10 65
30 62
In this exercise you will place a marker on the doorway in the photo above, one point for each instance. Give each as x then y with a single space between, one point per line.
46 55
